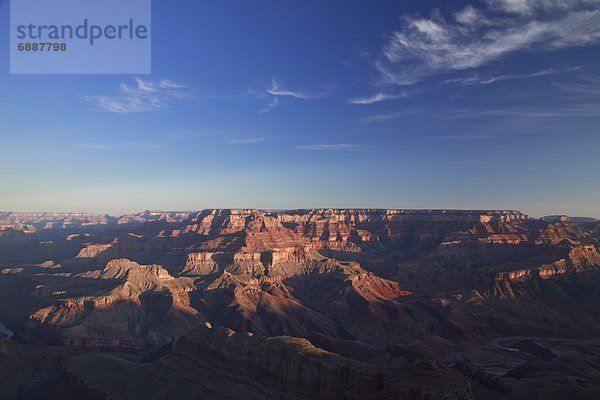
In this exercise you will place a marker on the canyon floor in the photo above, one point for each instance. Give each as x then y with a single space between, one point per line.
299 304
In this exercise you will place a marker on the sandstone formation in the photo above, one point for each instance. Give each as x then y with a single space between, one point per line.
130 307
491 294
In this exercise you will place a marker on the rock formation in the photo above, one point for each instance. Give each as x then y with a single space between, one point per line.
492 293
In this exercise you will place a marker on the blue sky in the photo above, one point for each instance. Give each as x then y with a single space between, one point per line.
297 104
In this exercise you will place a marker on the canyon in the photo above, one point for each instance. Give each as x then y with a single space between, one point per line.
299 304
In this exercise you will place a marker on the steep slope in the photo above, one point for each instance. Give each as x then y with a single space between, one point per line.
220 364
140 307
511 301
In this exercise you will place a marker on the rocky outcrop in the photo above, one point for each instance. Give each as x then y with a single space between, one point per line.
137 308
560 231
93 250
579 259
202 263
420 226
448 285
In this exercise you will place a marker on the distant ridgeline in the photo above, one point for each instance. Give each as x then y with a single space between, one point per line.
32 221
577 220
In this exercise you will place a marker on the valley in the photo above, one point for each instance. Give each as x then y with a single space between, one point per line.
411 304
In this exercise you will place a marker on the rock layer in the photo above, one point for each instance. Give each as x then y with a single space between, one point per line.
494 292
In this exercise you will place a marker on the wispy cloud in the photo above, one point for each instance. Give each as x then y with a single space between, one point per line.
219 137
474 37
390 116
277 90
142 96
486 80
530 7
269 107
554 111
590 86
376 98
247 140
335 147
461 137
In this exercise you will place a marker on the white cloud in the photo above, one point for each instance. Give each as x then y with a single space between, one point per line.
551 111
529 7
376 98
143 96
461 137
589 87
277 90
486 80
334 147
476 37
390 116
247 140
468 16
514 6
274 103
